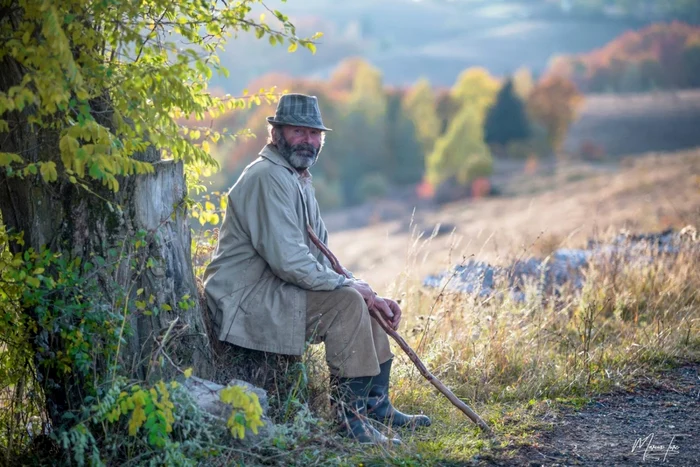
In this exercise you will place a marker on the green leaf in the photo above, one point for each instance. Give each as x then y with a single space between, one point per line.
7 158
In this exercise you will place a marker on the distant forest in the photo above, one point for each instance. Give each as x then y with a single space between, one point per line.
444 139
661 56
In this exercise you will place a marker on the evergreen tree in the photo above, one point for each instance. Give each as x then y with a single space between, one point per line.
406 161
506 120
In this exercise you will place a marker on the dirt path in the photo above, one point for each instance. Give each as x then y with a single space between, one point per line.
656 423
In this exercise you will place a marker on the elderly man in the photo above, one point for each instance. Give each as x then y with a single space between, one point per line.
270 288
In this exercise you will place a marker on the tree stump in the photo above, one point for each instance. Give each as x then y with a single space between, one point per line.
281 376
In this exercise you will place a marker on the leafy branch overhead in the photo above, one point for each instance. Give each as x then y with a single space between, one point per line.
113 78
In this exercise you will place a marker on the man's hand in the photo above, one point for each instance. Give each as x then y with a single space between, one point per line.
396 311
386 306
364 289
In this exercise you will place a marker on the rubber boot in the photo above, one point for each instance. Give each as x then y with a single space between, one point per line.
379 407
349 401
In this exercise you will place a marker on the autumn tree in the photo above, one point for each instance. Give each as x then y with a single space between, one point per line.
553 104
419 104
359 140
460 154
477 89
97 277
405 161
523 83
658 56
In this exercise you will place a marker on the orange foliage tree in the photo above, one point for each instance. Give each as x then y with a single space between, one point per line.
553 104
660 56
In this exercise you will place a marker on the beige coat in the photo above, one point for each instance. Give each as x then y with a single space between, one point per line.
264 262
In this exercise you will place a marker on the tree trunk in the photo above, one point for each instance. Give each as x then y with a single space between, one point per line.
142 230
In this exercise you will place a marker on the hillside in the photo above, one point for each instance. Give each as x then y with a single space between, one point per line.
649 193
635 123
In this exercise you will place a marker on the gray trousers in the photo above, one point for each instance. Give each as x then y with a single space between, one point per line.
355 343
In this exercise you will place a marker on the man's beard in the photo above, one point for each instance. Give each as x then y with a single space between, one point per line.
300 156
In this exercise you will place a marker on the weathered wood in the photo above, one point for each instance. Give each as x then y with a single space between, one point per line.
85 223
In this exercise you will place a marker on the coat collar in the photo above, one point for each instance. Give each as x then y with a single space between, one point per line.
270 153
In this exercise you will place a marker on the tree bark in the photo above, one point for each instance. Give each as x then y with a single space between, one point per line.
69 219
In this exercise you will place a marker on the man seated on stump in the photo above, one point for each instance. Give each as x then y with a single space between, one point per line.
271 289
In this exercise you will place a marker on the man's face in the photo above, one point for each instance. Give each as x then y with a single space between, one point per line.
299 145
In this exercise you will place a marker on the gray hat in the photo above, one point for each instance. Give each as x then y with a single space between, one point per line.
298 110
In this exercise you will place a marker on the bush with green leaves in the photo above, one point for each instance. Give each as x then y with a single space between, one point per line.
93 97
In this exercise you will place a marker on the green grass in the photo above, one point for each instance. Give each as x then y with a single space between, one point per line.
515 363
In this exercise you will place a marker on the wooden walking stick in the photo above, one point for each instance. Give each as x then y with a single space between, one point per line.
377 315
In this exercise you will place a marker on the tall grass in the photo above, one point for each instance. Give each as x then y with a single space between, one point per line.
512 359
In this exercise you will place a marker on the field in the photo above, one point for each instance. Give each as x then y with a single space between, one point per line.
576 379
571 379
649 193
635 186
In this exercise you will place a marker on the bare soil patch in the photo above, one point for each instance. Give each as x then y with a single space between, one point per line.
655 423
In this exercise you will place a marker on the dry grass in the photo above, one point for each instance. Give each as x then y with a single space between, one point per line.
649 193
515 362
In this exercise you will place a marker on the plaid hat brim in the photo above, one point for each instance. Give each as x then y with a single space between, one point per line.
298 121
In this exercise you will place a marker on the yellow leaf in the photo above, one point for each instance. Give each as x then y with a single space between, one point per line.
188 372
137 419
32 281
7 158
38 271
48 171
